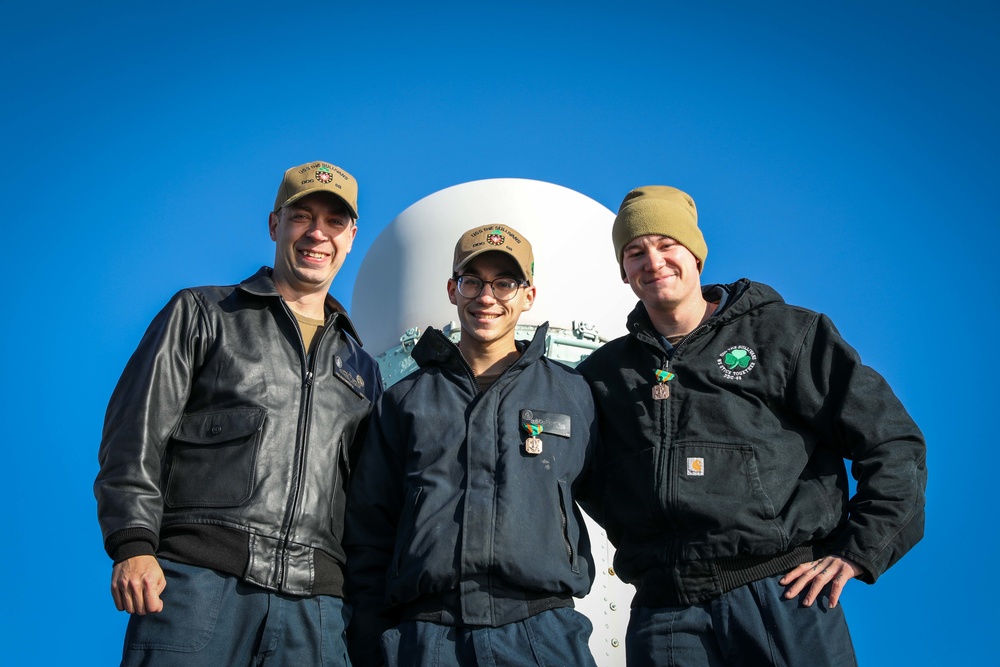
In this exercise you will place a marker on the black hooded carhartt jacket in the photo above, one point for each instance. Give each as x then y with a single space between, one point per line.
739 474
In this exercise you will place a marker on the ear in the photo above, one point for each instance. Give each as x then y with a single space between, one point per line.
529 298
351 235
452 288
272 225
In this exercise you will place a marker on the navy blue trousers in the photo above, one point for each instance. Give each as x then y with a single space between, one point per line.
215 620
748 627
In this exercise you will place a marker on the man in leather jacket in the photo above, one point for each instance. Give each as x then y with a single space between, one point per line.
227 449
726 417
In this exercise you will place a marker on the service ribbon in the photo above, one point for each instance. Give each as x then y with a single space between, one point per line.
664 375
534 429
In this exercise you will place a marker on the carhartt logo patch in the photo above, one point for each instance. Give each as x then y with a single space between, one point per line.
696 466
737 361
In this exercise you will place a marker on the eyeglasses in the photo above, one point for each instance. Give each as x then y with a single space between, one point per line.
503 289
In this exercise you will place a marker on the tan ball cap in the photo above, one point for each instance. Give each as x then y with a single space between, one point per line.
495 238
311 177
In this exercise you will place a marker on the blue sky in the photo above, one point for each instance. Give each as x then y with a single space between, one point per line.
843 154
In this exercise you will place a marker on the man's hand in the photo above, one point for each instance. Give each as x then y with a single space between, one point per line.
816 574
136 584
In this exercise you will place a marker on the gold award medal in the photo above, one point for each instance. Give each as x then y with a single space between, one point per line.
533 445
660 390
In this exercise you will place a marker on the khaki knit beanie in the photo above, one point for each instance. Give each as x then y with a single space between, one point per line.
660 210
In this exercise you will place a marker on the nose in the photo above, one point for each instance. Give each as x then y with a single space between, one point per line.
316 231
654 259
483 294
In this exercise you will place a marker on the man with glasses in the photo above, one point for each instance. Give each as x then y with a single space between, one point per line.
727 415
465 545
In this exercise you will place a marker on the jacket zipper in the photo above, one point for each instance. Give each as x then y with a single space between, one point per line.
305 406
472 375
664 454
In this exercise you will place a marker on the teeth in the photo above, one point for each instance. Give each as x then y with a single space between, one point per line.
315 255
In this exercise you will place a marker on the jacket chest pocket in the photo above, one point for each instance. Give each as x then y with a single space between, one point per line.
212 458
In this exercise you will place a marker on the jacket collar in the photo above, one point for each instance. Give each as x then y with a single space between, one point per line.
262 284
436 349
744 296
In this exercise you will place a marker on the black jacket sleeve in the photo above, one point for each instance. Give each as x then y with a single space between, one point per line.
854 411
143 411
374 503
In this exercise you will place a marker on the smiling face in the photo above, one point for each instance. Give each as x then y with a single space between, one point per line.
487 322
662 272
312 237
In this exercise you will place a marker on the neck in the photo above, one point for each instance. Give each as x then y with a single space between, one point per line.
308 304
683 318
484 358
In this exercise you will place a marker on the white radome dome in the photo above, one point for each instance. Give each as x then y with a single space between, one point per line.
401 284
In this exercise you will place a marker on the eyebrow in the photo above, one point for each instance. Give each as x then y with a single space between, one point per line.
341 212
659 239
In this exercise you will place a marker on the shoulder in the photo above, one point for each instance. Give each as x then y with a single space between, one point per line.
569 377
783 314
189 301
208 296
558 369
220 306
763 306
609 353
415 386
363 365
558 381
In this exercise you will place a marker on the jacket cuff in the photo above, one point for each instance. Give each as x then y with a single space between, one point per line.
131 542
867 573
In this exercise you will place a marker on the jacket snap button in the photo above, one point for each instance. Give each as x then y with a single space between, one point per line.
216 430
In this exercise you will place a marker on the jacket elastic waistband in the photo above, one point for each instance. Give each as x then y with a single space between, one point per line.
228 550
693 582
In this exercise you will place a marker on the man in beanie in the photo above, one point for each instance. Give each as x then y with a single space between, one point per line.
464 544
221 493
726 416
